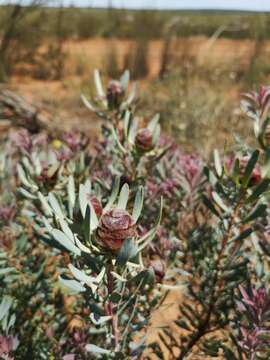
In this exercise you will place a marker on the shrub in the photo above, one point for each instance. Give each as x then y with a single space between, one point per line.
93 239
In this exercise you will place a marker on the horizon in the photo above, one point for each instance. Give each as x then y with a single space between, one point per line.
228 5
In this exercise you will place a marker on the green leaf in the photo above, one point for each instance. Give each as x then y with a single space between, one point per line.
98 84
65 241
123 197
84 278
5 305
6 270
67 230
124 80
86 224
45 205
23 178
93 218
210 206
55 205
259 190
96 349
217 162
53 169
128 251
258 211
138 204
72 285
219 201
132 130
83 198
25 194
250 167
242 235
144 277
126 123
115 297
87 104
262 129
156 134
236 170
148 237
114 194
132 94
153 123
116 139
99 320
71 194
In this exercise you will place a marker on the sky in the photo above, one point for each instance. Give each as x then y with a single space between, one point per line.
253 5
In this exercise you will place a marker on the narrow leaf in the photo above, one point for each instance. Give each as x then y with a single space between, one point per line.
114 194
128 250
258 211
219 201
153 123
250 167
96 349
45 205
72 285
259 190
65 241
138 204
123 197
98 84
55 205
217 162
210 206
124 80
71 194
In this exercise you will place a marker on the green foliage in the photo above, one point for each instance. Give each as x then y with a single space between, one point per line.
91 243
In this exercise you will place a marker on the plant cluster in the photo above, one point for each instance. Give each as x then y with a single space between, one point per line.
94 237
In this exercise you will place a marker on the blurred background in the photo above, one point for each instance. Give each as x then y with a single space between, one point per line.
192 60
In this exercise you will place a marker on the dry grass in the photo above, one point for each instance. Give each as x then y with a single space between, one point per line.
216 69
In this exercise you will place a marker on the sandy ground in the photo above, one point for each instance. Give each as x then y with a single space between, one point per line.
62 98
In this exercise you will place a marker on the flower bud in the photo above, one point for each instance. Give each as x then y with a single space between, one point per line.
159 269
114 94
114 228
144 140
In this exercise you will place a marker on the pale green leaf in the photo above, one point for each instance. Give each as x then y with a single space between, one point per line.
98 84
124 80
96 349
44 203
65 241
72 285
153 123
138 204
55 205
114 194
123 197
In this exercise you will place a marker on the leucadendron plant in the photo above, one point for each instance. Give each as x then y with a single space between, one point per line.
111 104
85 256
45 162
222 254
105 262
130 146
49 171
135 150
253 323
